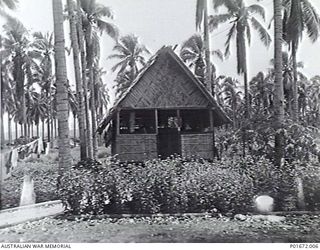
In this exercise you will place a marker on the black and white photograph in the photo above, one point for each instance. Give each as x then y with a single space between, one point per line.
159 121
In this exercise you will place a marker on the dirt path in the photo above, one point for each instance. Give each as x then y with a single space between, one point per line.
27 213
294 229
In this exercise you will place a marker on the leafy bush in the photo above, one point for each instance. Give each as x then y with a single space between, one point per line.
267 179
299 139
44 176
172 185
309 172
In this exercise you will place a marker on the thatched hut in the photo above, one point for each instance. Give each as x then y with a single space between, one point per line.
166 111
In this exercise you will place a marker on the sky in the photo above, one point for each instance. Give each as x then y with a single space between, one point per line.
168 22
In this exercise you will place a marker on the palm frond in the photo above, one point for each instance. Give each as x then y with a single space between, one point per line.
199 13
103 11
216 20
258 9
218 53
311 19
231 34
263 33
231 5
248 31
116 56
109 28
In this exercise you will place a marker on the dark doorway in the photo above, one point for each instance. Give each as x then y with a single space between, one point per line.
169 140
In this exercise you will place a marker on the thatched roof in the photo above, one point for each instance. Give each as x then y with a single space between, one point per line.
221 117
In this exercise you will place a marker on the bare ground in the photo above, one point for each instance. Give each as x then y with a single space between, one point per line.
294 229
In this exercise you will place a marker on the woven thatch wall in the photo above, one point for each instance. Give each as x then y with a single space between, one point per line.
136 147
165 85
199 145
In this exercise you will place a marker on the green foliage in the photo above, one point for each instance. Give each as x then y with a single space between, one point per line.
173 185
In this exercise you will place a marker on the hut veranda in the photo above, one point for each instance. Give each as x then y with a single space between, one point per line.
166 111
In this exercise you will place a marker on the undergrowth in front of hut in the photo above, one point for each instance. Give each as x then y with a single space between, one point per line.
181 185
173 185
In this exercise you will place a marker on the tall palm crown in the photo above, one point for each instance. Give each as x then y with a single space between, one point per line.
241 19
193 53
300 16
43 50
93 22
130 53
16 42
202 20
93 14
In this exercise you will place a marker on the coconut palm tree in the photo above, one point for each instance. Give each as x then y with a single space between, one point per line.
101 92
288 79
231 96
261 92
313 101
131 56
193 53
8 102
202 20
124 81
38 109
93 23
130 53
61 83
301 17
278 91
79 90
242 19
43 51
17 43
81 38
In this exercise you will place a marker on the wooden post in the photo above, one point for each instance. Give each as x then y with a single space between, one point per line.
214 151
132 119
178 117
118 122
211 120
156 120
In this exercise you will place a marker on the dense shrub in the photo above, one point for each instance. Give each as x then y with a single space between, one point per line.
309 172
173 185
44 175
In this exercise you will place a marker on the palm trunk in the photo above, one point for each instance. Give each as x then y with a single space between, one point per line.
246 93
279 96
28 130
38 135
21 129
9 129
90 53
206 39
52 129
16 129
79 89
295 80
48 130
42 129
1 118
84 82
75 132
24 120
2 127
55 128
65 160
31 127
